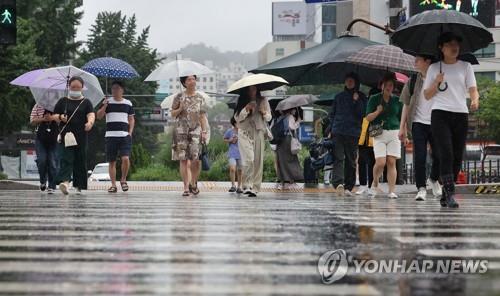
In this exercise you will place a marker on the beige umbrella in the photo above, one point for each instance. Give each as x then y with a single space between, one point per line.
262 81
168 101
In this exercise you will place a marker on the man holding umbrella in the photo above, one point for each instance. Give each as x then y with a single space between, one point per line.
346 117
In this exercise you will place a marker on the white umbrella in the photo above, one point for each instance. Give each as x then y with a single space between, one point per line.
168 101
296 101
178 68
262 81
52 84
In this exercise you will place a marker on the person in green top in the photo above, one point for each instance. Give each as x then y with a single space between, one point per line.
384 108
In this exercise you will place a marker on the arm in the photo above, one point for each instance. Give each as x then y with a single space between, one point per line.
266 111
177 107
242 115
102 111
131 124
474 97
403 130
431 85
90 121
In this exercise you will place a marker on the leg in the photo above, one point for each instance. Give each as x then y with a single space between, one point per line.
459 138
53 164
371 164
245 145
362 166
351 154
258 160
232 171
66 162
125 168
185 174
338 163
112 173
419 153
378 170
42 159
195 171
111 154
391 173
80 167
125 151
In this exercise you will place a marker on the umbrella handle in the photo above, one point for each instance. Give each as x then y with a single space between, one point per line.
444 86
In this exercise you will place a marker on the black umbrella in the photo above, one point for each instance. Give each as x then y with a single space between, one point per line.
303 68
466 57
273 102
420 33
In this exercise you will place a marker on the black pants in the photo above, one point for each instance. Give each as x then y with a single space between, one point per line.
422 136
366 161
449 131
73 165
345 152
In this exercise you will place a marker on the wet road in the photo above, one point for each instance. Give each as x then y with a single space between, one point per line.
218 244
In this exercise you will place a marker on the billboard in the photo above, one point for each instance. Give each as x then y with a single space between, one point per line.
482 10
290 18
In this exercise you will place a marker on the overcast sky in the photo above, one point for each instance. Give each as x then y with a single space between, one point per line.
243 25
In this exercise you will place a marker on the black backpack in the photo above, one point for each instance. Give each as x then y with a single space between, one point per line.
47 133
279 129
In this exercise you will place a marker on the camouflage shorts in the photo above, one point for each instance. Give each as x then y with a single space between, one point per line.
186 146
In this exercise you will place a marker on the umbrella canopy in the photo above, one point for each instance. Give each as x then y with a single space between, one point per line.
178 68
420 33
262 81
296 101
49 81
168 101
110 67
385 57
303 68
273 102
400 77
27 78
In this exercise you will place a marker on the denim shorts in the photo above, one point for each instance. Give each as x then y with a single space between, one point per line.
235 162
118 146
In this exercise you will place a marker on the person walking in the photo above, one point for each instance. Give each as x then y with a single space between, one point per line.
416 117
46 147
77 117
231 138
252 114
384 111
289 170
346 117
366 159
120 122
447 84
190 131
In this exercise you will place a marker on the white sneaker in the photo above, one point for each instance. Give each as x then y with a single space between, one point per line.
78 191
340 190
392 195
348 193
422 193
372 192
64 188
436 188
362 190
326 183
50 191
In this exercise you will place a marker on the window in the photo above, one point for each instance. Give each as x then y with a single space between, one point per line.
280 52
329 32
490 75
329 14
487 52
204 79
211 79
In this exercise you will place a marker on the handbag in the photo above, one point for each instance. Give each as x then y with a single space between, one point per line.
295 145
205 160
375 129
69 138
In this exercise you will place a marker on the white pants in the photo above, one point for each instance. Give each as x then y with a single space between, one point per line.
387 144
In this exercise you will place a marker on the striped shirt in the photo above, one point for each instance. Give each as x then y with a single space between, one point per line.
117 114
37 112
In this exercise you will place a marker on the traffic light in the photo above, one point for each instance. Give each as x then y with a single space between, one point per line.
8 30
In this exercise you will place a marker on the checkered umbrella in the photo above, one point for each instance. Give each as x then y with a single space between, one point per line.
385 57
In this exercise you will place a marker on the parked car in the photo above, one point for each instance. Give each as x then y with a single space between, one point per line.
100 173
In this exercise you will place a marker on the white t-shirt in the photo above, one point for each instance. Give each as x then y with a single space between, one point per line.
460 77
423 109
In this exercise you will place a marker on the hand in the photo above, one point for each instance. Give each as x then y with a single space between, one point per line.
403 137
263 109
474 105
380 108
439 78
64 118
235 140
47 118
88 126
104 103
355 96
250 107
204 137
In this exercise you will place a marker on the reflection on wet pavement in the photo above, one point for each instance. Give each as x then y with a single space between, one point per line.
160 243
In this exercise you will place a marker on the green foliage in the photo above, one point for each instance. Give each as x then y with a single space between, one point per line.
3 176
489 108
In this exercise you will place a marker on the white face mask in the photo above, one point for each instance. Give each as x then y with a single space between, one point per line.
75 93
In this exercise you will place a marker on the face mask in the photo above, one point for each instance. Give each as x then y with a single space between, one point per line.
75 93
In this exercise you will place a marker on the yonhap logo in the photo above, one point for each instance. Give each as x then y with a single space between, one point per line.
332 266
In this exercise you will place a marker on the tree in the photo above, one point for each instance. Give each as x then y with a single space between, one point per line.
16 102
115 35
489 108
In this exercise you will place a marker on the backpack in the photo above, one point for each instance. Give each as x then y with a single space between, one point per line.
413 81
279 130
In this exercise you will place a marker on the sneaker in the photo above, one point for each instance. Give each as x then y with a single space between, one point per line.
43 187
64 188
392 195
372 192
239 191
78 191
436 188
361 190
442 201
50 191
451 202
422 193
340 190
326 183
348 193
233 189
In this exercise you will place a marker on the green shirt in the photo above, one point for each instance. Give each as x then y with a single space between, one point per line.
391 114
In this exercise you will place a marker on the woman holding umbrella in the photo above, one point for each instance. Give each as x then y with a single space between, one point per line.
252 114
447 84
189 132
76 116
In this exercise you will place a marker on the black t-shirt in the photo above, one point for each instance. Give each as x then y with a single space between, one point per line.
77 123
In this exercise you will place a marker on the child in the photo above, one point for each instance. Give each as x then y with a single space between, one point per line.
231 137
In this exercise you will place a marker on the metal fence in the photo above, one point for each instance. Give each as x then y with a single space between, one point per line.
475 172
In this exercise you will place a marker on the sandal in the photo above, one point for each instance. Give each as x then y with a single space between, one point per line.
124 186
194 189
185 194
112 189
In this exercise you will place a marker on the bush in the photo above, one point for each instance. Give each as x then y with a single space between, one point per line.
3 176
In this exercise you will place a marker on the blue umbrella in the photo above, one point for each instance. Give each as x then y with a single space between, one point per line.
110 67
